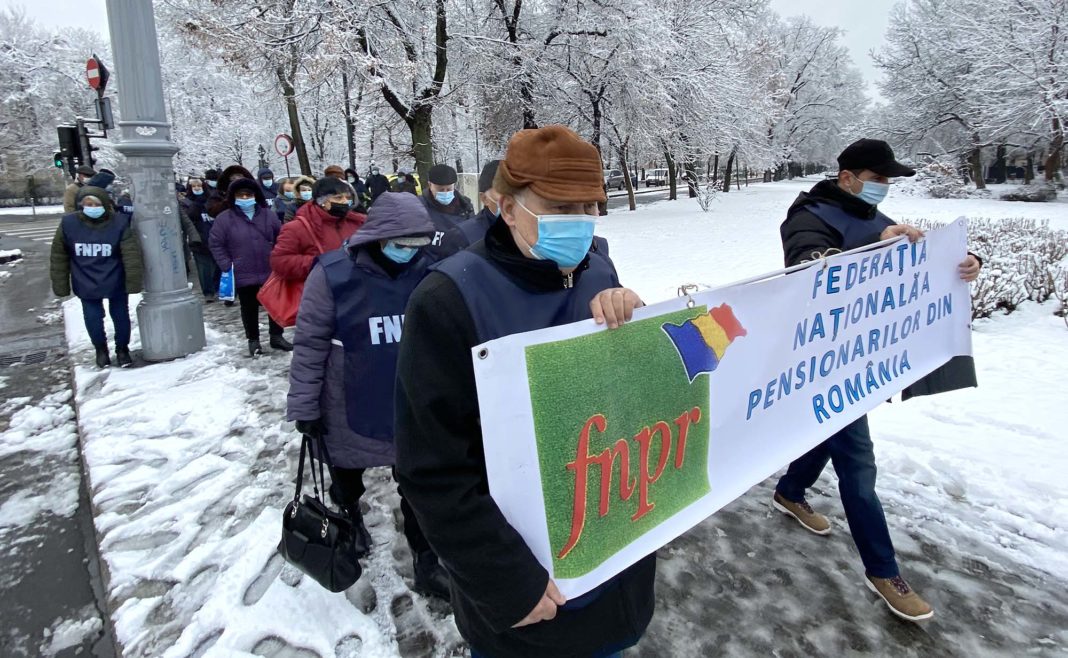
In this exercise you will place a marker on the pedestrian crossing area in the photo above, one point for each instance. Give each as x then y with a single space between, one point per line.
40 231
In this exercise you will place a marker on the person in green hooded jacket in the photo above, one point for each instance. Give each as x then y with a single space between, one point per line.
96 255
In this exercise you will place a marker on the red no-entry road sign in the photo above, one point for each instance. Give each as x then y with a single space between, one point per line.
96 73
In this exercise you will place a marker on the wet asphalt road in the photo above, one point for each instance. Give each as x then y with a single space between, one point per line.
50 571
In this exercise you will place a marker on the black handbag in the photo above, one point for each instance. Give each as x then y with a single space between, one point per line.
316 539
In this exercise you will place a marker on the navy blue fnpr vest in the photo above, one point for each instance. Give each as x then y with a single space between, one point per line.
96 269
369 315
500 307
855 232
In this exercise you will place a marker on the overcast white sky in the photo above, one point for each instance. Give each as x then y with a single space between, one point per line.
864 21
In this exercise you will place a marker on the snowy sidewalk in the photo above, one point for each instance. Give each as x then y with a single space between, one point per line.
190 465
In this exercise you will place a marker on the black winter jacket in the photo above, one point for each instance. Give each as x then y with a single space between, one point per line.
441 469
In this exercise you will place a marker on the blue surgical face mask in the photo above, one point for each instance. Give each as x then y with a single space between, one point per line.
93 212
306 195
212 183
873 193
197 191
398 253
563 239
290 195
245 204
268 182
444 198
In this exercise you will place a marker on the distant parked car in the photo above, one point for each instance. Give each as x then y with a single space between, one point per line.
613 179
656 177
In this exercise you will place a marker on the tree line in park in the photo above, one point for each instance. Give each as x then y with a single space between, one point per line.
699 87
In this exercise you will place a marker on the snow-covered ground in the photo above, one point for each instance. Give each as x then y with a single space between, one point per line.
190 464
27 210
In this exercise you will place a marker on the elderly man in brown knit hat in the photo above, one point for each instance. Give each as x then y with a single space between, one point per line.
534 269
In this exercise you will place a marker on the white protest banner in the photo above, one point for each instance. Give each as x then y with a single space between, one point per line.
602 446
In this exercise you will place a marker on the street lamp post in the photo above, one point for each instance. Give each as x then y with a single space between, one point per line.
171 319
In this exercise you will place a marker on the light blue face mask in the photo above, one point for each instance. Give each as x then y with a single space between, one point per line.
248 206
93 212
198 191
289 195
563 239
398 253
444 198
268 182
306 195
873 193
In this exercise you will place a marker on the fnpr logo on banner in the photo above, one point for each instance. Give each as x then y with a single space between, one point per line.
614 466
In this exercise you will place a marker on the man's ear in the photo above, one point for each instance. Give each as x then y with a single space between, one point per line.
508 208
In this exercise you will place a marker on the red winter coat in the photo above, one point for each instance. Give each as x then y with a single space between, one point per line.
296 251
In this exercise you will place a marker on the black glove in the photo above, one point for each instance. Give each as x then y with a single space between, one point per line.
314 428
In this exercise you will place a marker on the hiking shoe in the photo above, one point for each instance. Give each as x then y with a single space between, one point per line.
254 348
900 598
280 343
103 359
122 357
809 519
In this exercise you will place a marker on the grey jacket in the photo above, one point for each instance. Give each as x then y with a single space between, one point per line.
316 373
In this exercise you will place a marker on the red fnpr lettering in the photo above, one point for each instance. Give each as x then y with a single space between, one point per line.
579 467
626 484
683 422
644 438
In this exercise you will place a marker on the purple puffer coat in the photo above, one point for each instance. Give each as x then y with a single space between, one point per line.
245 244
317 371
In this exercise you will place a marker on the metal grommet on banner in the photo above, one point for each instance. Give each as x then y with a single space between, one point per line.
685 290
483 353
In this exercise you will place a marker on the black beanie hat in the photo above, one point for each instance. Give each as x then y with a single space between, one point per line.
442 174
485 179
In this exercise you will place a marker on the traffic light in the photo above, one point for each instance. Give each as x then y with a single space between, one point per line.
57 159
70 146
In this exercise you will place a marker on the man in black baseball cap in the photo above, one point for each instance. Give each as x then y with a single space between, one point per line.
834 216
472 230
447 207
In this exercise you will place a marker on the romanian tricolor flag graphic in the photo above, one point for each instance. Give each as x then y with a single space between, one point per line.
702 341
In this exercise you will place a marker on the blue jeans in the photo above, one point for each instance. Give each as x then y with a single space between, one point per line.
853 457
93 312
208 272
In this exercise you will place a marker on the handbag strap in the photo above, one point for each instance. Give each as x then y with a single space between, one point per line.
318 245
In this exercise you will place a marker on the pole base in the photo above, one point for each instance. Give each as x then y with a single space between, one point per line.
171 325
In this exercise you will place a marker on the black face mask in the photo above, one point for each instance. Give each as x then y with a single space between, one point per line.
338 210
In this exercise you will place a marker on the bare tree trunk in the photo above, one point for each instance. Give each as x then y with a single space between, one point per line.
1029 168
673 189
715 170
727 170
420 126
626 176
289 94
1056 145
975 160
350 127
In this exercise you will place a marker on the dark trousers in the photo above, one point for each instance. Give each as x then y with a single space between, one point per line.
93 312
208 272
250 314
851 453
350 481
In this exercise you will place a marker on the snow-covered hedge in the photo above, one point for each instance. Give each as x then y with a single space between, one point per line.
939 179
1023 260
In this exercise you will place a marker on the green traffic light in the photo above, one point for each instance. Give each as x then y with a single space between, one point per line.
57 160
